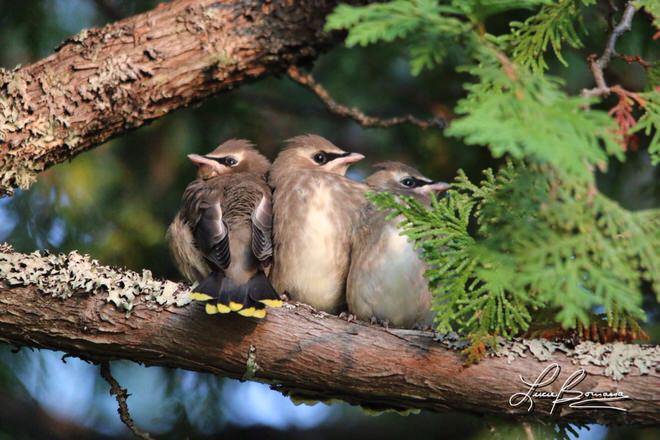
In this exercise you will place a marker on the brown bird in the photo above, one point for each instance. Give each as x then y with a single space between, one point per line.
315 210
386 279
221 237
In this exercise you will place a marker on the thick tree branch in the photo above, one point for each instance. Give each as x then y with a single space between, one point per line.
104 82
353 113
304 352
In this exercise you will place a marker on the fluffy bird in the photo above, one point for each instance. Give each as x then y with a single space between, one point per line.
386 278
221 237
315 210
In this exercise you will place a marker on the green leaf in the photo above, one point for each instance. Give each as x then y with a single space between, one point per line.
649 123
425 26
553 25
526 115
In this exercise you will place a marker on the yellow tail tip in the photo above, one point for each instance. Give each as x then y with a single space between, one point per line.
248 312
200 296
223 308
234 306
274 303
259 313
211 309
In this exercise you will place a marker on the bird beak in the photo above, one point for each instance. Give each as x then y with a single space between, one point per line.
201 160
435 187
349 159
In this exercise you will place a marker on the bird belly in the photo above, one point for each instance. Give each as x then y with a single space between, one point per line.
312 266
389 283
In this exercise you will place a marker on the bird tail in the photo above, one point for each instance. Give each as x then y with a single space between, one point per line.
222 295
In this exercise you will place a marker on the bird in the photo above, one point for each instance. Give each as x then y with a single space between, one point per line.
386 281
315 208
221 236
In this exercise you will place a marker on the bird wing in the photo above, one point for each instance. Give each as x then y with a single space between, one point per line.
202 211
212 235
262 225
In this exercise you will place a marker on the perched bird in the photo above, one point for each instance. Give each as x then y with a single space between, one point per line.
386 278
315 208
221 237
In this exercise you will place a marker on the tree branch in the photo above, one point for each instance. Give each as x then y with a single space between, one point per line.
353 113
122 395
105 81
303 352
599 64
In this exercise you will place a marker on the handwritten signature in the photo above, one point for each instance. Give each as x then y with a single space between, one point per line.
574 398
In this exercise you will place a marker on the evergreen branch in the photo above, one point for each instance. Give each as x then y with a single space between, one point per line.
552 26
598 65
527 115
353 113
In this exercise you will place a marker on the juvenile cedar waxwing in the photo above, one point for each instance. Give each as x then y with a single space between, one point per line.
315 210
386 278
221 237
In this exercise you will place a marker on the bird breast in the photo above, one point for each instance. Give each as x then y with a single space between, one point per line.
312 242
387 280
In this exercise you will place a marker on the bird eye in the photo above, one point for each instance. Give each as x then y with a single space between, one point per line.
230 161
320 158
408 182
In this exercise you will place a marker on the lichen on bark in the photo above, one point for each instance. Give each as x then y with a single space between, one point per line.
618 359
64 275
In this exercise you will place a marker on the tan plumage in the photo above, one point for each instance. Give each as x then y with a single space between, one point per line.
386 278
315 210
221 237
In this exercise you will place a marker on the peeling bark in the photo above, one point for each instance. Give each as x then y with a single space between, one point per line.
105 81
310 354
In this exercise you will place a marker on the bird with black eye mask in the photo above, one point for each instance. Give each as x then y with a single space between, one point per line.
386 280
221 237
315 209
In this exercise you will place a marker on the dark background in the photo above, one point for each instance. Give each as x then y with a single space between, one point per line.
116 201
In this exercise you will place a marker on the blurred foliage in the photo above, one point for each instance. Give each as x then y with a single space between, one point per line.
545 237
116 201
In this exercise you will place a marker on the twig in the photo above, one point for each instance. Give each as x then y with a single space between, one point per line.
634 59
597 65
365 120
529 432
121 396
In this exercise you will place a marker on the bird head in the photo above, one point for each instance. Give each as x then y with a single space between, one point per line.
232 156
402 179
312 152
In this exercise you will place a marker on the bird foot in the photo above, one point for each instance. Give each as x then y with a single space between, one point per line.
423 327
375 321
348 316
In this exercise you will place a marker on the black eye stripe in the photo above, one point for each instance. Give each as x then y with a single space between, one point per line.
223 160
323 157
333 156
417 182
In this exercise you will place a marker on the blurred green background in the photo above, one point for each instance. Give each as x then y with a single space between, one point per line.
116 201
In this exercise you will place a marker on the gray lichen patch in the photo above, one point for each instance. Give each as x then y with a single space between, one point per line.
64 275
251 366
617 359
25 139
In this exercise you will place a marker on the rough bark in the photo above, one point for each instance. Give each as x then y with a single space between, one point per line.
105 81
301 351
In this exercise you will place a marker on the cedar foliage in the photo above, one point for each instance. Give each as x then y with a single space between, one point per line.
536 233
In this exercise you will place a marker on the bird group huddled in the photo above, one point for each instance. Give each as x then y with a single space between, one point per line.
249 232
